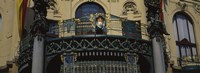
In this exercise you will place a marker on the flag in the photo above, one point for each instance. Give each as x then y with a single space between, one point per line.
24 10
161 11
21 12
19 15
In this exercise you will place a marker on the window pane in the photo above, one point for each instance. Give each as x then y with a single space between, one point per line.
182 27
131 29
183 51
191 32
175 29
188 51
194 51
178 52
87 9
53 28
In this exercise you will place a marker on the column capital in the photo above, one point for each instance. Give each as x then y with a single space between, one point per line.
156 28
40 24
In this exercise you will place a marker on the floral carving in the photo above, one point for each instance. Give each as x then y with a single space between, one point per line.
130 7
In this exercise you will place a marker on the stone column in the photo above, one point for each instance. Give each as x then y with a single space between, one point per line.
159 64
156 29
38 29
38 52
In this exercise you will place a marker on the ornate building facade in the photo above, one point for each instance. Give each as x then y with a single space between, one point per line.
182 22
101 36
9 36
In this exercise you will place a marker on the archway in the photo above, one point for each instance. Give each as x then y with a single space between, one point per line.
88 8
83 13
54 65
145 66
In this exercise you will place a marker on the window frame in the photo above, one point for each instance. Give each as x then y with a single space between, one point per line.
185 44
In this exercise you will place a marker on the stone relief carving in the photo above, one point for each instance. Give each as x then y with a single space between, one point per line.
197 7
130 7
182 5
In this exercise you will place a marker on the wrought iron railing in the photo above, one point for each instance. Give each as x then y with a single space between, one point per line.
81 53
100 67
83 27
25 53
97 42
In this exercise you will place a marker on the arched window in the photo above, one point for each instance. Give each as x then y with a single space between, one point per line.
0 22
184 36
88 8
85 26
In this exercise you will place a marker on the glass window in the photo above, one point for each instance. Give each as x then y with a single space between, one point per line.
53 29
88 8
0 22
84 27
131 29
184 36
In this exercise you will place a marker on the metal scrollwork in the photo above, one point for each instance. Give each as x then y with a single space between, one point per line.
101 43
132 60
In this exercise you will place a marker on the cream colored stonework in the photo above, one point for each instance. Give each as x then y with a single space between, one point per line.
65 9
9 35
169 11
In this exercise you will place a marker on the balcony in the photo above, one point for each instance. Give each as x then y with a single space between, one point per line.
78 37
97 42
100 67
83 26
98 53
